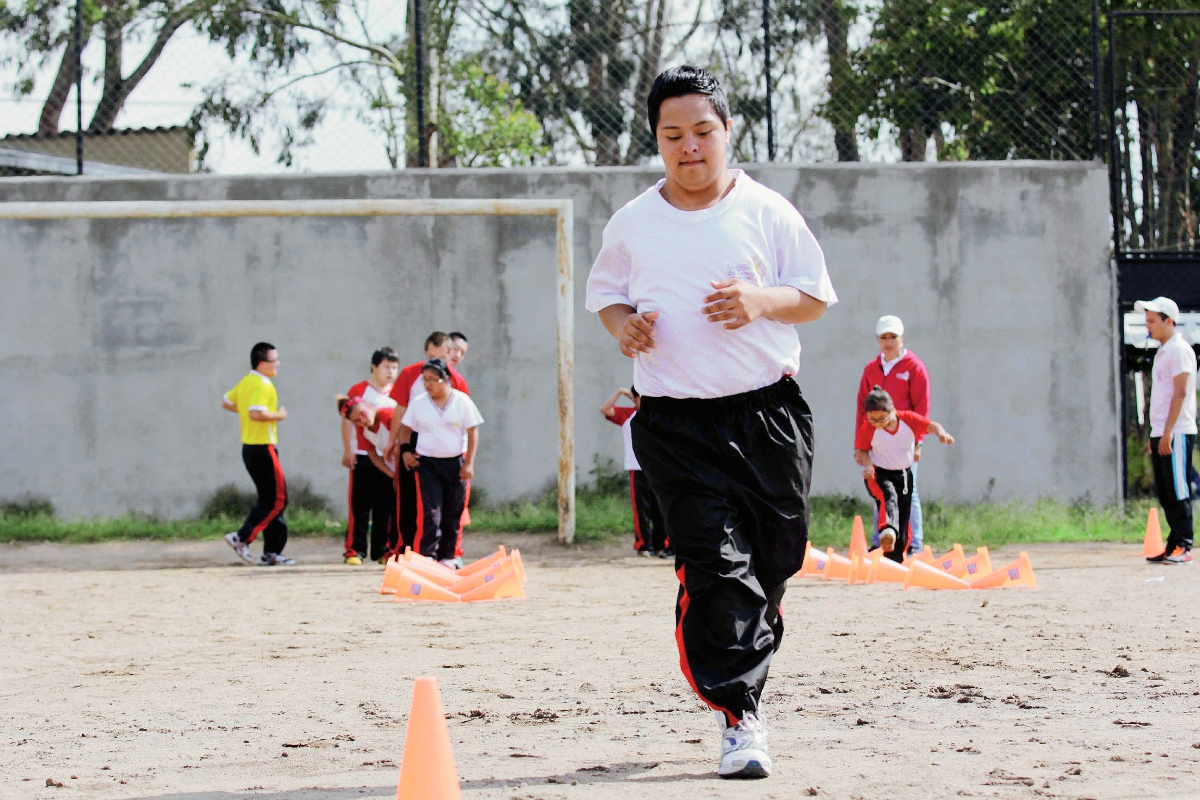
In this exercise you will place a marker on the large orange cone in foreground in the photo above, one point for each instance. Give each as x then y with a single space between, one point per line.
921 574
391 576
977 565
427 768
815 562
858 540
1011 576
884 570
417 586
1153 545
837 567
925 555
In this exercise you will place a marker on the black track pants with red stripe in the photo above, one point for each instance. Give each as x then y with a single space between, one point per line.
732 477
373 509
262 462
892 490
649 531
441 495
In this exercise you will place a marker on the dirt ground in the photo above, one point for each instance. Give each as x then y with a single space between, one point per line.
165 671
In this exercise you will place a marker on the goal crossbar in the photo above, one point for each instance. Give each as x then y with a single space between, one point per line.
561 210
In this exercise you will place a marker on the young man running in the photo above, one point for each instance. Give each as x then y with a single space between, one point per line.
256 403
700 279
444 459
372 492
1172 425
407 387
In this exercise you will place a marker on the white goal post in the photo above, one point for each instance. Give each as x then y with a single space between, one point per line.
561 210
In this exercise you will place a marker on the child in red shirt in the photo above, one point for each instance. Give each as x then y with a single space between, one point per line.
884 447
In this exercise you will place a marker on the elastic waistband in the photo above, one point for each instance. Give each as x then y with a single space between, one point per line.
894 473
784 389
439 459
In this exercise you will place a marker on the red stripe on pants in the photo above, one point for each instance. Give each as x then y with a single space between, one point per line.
280 497
463 521
684 602
639 540
877 493
349 547
420 514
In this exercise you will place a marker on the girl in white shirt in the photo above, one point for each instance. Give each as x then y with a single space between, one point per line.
885 447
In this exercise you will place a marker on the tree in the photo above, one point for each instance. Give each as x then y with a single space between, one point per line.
485 125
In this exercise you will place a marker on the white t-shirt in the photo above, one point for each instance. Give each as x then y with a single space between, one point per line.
1174 357
442 430
655 257
894 450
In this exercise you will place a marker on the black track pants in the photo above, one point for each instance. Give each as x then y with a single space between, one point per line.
406 502
373 509
441 494
732 478
649 532
1173 488
892 490
262 462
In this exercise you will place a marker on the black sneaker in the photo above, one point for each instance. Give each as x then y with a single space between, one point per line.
1161 558
667 553
275 560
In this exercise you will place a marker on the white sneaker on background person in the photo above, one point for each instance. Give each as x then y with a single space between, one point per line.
744 747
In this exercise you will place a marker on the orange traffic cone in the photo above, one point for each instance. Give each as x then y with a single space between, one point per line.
416 586
921 574
858 540
391 576
1015 575
483 563
505 585
838 567
954 562
481 577
977 565
925 555
815 562
884 570
1153 545
427 767
518 564
432 574
411 557
858 570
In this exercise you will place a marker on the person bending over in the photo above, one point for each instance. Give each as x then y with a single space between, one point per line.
367 494
443 460
373 477
884 447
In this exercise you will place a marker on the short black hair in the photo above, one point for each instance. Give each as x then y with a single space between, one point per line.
384 354
436 365
435 339
680 81
878 400
458 335
258 353
1163 317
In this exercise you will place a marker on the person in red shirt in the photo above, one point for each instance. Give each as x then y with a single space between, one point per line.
374 475
372 499
649 531
885 447
407 386
904 377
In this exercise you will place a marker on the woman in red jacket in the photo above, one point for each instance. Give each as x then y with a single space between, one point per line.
903 376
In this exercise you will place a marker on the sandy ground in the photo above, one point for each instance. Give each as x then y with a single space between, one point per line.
122 677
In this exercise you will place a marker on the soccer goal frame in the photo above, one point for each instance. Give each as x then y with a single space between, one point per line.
561 210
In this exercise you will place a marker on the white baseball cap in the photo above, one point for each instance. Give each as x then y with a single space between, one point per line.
889 324
1163 305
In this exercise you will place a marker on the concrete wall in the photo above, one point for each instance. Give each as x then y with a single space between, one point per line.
117 338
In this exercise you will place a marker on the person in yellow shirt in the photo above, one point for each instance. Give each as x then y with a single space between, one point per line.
256 403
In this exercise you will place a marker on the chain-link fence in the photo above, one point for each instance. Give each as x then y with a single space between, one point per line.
238 86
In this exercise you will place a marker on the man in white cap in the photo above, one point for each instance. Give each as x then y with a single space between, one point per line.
903 376
1172 425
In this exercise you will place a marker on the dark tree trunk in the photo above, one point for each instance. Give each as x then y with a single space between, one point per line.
840 110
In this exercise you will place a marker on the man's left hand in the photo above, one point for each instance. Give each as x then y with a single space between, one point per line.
466 471
735 302
1164 446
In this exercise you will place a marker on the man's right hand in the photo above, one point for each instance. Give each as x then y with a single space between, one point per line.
281 414
637 334
348 460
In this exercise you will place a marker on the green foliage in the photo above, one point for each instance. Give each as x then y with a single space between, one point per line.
26 507
489 126
229 502
137 526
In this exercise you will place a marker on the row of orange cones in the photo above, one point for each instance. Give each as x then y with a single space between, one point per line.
412 576
954 570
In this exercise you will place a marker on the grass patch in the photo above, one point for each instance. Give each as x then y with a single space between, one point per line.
133 526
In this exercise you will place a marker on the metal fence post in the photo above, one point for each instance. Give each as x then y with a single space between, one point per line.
78 87
766 25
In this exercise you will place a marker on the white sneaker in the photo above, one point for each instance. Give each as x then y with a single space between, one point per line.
240 547
744 747
448 563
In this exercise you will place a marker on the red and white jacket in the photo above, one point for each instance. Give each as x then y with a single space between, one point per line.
894 450
907 382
